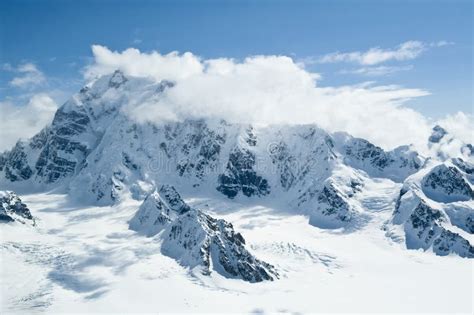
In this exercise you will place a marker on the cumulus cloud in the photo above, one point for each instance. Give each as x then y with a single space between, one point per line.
28 75
131 61
266 90
376 55
459 125
24 121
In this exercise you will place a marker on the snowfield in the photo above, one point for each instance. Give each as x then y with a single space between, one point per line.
87 260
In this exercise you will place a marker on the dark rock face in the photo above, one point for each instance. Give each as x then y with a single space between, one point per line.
152 216
285 162
13 209
165 84
200 147
62 153
449 242
117 79
445 184
240 176
468 149
15 164
173 199
333 209
465 166
364 150
396 164
196 239
335 205
158 210
57 150
437 134
423 220
425 229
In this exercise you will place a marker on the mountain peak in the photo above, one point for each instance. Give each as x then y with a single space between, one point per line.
437 134
118 78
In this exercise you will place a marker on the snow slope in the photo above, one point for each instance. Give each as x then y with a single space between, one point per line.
68 263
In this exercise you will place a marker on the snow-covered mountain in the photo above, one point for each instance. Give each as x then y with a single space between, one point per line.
436 209
194 210
444 146
196 239
13 209
97 153
94 148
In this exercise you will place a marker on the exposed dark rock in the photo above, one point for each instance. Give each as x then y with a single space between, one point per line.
332 209
364 150
464 166
13 209
240 176
397 164
117 79
286 163
206 142
62 152
173 199
333 204
196 239
165 84
448 242
152 216
15 163
445 184
437 134
425 228
468 149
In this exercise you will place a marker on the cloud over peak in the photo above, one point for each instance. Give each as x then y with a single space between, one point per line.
265 90
172 66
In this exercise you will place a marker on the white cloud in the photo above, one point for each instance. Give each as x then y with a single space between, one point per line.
24 121
378 70
29 75
267 89
171 66
460 128
460 125
405 51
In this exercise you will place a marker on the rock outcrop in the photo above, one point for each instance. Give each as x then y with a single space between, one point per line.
13 209
197 240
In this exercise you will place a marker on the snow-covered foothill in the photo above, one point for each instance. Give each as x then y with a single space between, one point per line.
197 240
13 209
436 210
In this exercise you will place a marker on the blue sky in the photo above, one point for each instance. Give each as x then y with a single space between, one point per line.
56 37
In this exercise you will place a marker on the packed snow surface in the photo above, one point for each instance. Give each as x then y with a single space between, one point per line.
87 260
